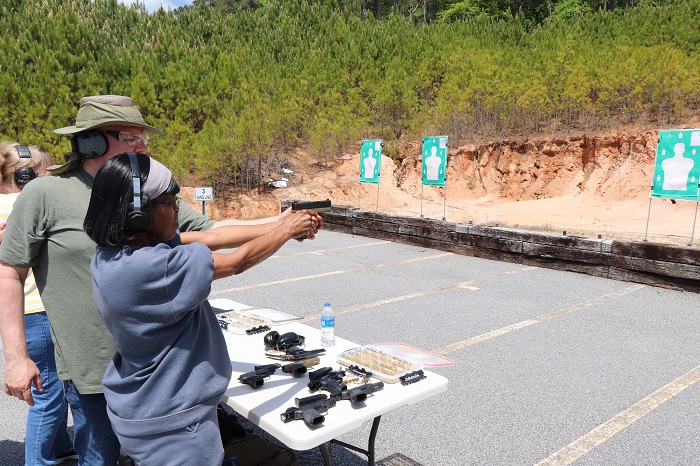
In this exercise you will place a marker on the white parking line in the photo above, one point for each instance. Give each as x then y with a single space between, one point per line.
535 320
620 421
418 294
328 274
321 251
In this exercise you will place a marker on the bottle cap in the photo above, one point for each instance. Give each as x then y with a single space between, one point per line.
327 303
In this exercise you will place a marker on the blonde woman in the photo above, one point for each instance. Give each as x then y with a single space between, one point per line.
47 441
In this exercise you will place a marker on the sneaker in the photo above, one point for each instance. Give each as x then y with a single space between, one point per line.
65 456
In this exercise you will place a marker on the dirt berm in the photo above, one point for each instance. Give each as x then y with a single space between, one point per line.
587 185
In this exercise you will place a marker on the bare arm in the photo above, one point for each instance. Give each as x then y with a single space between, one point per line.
227 236
257 221
253 252
20 370
3 225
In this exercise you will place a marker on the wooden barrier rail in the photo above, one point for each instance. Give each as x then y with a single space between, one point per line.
657 264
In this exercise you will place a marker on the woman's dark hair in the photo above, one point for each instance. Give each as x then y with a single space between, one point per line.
173 188
112 192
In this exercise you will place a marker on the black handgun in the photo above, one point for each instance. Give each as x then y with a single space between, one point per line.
359 393
332 381
257 377
299 402
327 379
318 206
310 411
293 368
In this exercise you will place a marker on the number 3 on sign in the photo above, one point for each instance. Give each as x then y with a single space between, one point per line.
203 193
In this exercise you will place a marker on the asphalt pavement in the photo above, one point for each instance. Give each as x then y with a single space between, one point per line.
553 367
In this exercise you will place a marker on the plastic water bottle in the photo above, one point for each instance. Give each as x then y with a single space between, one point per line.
327 326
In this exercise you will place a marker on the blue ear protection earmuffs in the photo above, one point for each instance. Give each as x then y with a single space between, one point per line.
138 218
26 174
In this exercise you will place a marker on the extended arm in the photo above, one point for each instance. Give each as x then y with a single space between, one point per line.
253 252
257 221
227 236
20 370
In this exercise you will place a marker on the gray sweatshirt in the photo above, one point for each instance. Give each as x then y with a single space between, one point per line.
171 365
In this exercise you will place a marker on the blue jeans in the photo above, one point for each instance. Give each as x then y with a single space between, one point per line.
46 422
95 441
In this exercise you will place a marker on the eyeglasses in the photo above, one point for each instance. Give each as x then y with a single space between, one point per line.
128 138
173 202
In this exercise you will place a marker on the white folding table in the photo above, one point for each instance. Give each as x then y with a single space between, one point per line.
264 405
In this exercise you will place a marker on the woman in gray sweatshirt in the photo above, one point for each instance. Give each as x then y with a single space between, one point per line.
151 284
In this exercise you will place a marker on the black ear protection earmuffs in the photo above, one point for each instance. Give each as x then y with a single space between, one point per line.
285 342
89 144
26 174
138 218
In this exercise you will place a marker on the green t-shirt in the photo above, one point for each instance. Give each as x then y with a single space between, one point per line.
45 232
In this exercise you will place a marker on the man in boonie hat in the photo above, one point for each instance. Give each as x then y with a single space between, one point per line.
45 232
106 125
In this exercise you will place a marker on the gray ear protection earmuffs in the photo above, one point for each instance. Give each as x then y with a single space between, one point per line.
89 144
138 218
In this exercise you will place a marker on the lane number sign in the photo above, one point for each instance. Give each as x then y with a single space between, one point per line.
204 193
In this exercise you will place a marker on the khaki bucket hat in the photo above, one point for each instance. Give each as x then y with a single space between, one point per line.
105 110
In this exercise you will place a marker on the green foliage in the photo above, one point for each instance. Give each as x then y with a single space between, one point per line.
239 85
463 10
565 9
460 11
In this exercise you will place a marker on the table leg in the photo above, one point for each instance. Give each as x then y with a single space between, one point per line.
325 452
372 436
370 445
